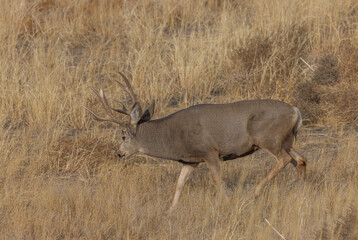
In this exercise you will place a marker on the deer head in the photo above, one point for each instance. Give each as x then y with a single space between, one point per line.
129 144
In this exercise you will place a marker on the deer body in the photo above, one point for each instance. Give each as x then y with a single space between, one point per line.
210 133
231 130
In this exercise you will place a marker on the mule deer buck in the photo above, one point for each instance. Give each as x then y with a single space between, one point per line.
208 133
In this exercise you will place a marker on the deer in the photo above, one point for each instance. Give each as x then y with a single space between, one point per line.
209 133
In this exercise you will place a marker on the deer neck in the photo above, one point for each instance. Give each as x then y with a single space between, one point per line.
152 139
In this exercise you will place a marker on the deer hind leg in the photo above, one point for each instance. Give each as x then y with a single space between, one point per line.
299 162
283 158
185 172
213 163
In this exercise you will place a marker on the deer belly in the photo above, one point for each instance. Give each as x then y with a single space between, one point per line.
239 154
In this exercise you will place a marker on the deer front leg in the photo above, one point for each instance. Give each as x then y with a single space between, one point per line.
213 163
185 172
283 158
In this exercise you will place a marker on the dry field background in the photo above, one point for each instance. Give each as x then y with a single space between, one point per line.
59 174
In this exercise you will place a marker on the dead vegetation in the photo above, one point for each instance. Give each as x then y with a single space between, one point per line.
59 174
82 153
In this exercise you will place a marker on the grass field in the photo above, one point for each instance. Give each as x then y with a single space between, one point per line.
60 177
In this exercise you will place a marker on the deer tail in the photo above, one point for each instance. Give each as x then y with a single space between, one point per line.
298 123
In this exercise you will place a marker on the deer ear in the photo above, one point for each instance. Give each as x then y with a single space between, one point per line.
147 114
135 114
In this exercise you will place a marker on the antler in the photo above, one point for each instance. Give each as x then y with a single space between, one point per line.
135 111
130 92
109 117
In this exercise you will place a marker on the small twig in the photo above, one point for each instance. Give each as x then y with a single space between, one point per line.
307 64
275 229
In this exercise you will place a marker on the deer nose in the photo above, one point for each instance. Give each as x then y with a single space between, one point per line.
120 156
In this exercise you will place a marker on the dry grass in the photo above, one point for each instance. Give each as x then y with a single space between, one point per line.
59 175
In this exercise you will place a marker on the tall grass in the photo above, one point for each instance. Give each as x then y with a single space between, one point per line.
59 176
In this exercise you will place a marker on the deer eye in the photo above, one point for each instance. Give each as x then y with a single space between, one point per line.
123 138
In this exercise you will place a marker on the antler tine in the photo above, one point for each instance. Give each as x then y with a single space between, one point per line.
110 117
122 86
129 87
96 117
123 109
